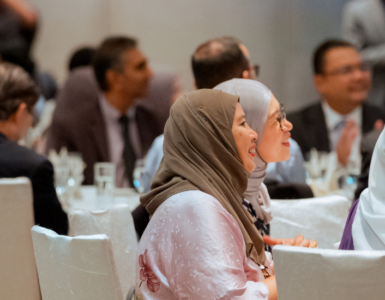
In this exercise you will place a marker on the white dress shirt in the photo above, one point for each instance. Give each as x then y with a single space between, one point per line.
332 118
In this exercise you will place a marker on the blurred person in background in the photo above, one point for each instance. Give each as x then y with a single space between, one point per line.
96 113
338 121
18 96
18 27
363 23
81 57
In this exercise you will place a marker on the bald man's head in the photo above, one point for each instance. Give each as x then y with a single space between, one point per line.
218 60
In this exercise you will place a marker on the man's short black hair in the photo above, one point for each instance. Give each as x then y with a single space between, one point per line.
218 60
321 51
81 57
16 87
109 56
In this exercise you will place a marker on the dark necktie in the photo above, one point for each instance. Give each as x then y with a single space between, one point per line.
129 156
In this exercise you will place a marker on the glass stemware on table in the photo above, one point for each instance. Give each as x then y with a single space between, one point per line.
326 176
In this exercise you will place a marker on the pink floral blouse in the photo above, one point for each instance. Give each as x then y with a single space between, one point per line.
194 249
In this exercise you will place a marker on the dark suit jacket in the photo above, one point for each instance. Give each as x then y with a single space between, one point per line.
78 123
17 161
309 125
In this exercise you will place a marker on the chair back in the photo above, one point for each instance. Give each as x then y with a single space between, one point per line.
18 273
117 223
316 274
75 268
322 219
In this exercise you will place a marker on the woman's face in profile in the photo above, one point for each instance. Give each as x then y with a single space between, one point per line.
245 139
274 145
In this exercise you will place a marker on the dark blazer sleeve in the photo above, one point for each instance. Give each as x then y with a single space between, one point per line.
48 210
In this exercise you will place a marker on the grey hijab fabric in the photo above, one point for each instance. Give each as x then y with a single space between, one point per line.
254 98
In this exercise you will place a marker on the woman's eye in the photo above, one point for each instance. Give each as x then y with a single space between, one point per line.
279 119
243 123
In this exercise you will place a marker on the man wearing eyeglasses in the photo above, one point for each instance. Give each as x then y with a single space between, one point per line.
338 121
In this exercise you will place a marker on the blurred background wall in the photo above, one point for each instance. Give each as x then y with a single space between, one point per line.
281 35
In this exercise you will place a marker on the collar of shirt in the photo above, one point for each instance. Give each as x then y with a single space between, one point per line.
332 117
110 113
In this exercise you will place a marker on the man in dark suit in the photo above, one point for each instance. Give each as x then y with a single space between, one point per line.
96 115
338 121
18 96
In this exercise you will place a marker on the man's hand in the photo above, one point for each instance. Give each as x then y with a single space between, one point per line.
344 147
298 241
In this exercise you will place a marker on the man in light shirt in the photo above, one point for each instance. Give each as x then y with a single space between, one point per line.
341 117
95 113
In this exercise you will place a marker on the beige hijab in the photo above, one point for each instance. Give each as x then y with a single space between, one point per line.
200 154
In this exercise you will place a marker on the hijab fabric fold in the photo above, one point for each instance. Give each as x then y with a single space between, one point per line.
200 154
368 228
255 100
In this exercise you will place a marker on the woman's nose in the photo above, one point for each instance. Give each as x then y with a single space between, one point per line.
288 125
254 136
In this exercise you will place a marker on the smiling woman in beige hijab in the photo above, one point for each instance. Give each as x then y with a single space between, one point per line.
200 241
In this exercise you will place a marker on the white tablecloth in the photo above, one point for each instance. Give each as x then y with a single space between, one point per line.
88 200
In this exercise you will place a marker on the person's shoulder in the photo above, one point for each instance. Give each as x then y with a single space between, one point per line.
194 202
20 158
192 199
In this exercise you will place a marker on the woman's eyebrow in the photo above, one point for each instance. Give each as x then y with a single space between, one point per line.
241 118
274 113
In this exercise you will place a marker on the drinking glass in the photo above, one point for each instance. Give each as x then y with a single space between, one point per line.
104 180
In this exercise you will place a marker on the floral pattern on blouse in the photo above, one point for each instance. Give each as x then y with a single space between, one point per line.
147 274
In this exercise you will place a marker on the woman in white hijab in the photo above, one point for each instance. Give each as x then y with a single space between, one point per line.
368 228
265 115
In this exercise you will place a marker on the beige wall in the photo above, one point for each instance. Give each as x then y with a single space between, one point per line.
279 34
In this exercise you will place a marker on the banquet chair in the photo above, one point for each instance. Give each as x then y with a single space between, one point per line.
322 219
75 268
117 223
306 273
18 272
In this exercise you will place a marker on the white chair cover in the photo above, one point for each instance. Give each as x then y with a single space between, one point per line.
322 219
117 223
17 268
77 268
316 274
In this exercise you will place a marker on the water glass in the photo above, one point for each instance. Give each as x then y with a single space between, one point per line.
104 180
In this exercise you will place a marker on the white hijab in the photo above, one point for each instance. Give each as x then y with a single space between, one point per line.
368 229
255 101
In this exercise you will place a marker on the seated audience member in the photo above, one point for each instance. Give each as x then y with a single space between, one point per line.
18 96
196 200
365 226
81 58
341 117
100 120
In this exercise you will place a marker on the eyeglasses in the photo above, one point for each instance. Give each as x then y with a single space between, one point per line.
282 117
348 70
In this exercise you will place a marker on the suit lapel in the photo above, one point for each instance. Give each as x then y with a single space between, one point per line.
317 133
